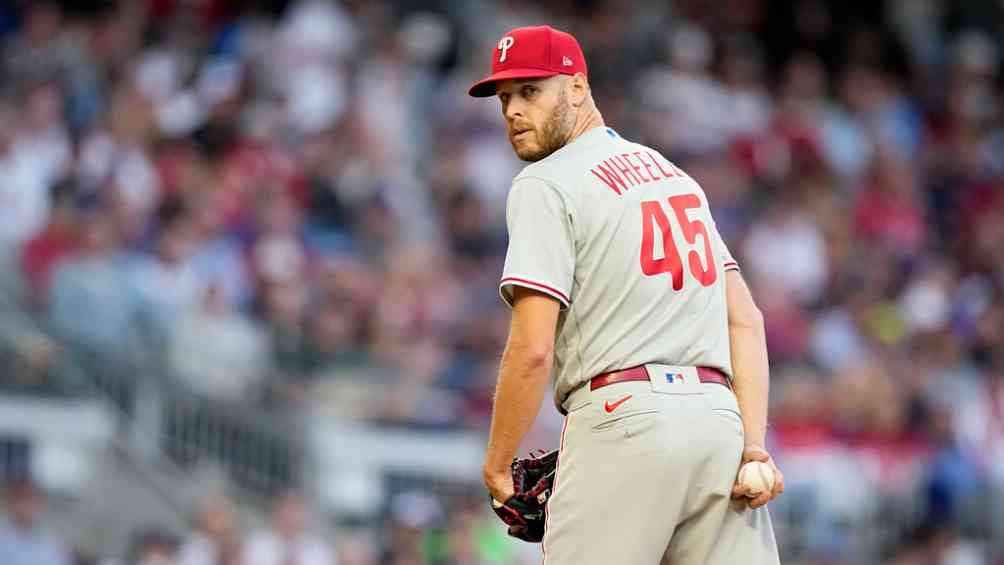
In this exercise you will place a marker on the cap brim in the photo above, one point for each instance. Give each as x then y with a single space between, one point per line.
486 86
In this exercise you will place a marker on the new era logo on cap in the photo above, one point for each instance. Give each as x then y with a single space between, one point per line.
532 52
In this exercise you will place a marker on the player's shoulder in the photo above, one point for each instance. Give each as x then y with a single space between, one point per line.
542 176
549 170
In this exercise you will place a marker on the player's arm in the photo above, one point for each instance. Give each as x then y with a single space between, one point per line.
522 383
748 342
751 376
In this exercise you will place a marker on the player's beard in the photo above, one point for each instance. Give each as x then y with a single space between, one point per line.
552 134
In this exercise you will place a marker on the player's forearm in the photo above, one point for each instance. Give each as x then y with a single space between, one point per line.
751 380
521 387
748 341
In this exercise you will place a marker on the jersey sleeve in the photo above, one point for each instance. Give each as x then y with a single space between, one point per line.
541 253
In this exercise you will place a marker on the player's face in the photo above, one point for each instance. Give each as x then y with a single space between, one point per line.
537 114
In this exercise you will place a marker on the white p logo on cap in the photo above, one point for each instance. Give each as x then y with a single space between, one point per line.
504 44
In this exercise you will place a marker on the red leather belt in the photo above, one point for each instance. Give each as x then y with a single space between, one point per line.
639 373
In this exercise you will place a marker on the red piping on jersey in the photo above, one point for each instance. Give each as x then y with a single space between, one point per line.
549 289
731 265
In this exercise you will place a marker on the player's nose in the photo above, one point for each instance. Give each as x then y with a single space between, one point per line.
514 109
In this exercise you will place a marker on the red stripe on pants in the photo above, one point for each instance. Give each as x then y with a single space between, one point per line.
554 487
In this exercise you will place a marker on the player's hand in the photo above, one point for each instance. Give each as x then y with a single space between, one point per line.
758 453
499 484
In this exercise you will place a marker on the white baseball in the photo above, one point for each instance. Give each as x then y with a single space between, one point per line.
757 477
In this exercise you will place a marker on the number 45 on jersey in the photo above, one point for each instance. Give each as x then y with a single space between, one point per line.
653 216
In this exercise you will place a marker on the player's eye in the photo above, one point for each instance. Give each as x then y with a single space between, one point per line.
528 90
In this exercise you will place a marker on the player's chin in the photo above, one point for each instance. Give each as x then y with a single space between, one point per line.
527 151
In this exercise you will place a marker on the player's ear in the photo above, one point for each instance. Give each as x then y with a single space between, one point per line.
578 89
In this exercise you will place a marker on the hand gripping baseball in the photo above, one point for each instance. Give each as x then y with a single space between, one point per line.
739 490
525 512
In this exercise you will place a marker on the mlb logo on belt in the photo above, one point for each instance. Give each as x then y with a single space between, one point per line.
675 378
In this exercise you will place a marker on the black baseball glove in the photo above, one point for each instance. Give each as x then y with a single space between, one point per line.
526 511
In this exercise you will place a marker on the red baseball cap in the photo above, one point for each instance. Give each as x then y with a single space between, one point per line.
531 52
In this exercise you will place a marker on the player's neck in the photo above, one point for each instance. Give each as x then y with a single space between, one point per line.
586 121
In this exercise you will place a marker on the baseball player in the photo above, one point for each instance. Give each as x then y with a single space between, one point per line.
620 282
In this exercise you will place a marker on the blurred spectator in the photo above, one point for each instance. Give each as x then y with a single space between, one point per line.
311 36
279 254
91 304
467 222
931 544
472 538
333 334
284 312
151 547
25 200
42 50
29 355
953 480
357 549
796 262
166 284
117 158
219 353
889 210
44 133
24 540
41 254
693 107
215 536
290 540
414 515
219 254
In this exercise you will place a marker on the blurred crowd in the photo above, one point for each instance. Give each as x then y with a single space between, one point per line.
416 531
271 197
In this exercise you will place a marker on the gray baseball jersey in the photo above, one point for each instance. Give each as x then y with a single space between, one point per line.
625 241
